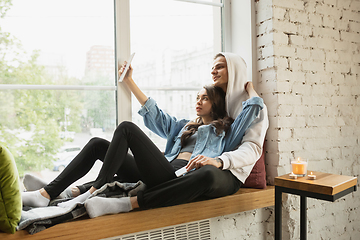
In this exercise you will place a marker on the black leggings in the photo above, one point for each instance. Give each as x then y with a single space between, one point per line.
205 183
147 163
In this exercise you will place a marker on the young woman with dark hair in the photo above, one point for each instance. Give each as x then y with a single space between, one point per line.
194 144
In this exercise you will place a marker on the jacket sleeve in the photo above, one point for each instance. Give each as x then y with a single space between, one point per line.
251 110
158 121
251 145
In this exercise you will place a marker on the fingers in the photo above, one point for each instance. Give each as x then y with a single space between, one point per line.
198 162
119 65
122 67
128 73
191 164
249 86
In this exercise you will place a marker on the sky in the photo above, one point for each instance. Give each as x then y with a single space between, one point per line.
67 29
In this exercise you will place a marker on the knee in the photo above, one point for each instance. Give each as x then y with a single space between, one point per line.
95 141
124 125
208 174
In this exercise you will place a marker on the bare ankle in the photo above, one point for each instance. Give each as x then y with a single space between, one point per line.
75 191
92 189
44 193
134 202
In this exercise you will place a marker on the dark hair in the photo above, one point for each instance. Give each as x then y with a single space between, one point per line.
221 121
218 55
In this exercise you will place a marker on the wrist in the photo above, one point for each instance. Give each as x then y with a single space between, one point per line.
220 162
128 80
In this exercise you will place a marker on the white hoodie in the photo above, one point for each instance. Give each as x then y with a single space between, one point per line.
241 161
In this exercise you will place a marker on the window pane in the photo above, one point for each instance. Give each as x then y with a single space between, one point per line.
74 38
174 45
48 42
43 128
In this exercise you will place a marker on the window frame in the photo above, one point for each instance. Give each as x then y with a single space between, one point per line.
67 87
122 45
239 32
235 17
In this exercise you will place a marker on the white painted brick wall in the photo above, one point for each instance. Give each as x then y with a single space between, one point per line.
256 224
317 111
309 66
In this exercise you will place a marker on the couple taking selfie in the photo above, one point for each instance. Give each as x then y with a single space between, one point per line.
217 150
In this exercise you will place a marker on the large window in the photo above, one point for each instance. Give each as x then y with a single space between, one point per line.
57 79
174 42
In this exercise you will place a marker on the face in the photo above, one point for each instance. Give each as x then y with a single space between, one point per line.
220 73
203 104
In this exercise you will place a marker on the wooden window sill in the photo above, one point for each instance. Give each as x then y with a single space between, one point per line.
143 220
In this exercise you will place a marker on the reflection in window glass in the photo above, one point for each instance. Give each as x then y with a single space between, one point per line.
73 38
43 127
48 42
174 45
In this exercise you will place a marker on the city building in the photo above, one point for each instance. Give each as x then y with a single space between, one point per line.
100 60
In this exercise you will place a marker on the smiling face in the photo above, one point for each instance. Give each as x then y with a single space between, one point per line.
203 105
220 73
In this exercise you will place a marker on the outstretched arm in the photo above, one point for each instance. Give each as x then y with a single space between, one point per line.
128 80
155 119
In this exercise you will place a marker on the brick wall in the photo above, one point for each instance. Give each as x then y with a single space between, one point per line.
309 66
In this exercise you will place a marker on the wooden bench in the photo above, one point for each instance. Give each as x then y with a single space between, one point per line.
143 220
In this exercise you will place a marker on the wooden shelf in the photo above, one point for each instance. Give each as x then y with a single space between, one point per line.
325 183
136 221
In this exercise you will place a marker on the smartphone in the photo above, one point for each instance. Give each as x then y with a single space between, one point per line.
181 171
121 78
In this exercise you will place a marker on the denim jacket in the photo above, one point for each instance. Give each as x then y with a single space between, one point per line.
208 143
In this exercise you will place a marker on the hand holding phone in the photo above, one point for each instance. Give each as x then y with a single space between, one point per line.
121 78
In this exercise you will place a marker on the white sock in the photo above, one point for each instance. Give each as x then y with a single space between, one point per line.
34 199
98 206
33 183
79 199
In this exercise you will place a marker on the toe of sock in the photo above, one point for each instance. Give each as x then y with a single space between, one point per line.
91 208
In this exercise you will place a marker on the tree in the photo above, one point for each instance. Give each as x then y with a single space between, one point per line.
30 119
100 105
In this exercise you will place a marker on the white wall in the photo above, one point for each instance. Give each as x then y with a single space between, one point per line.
308 74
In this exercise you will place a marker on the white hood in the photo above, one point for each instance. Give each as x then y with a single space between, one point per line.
237 77
241 161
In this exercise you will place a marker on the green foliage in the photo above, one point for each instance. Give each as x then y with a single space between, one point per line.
4 7
100 105
30 119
